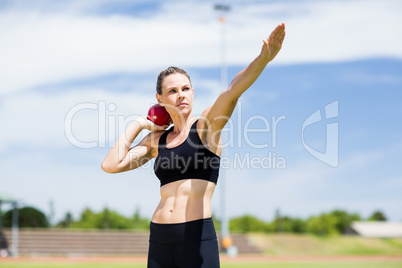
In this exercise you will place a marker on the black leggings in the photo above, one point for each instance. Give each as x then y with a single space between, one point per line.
190 244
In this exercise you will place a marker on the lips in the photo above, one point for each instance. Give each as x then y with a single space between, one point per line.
183 104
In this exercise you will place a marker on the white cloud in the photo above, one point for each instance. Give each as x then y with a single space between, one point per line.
40 47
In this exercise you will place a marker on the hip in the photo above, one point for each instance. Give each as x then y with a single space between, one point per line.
179 233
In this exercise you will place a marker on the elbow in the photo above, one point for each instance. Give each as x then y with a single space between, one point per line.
232 95
108 168
235 100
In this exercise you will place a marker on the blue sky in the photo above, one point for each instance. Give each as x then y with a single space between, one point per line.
104 56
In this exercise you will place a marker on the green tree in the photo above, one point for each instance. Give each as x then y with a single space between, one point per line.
66 222
87 220
377 216
299 226
247 224
344 219
106 219
27 217
322 225
283 224
287 225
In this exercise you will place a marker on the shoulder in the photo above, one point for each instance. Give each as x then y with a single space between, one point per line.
209 137
206 112
203 124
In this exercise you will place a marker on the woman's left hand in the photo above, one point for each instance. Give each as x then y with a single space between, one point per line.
273 44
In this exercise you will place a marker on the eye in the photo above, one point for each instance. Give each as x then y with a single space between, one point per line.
172 91
186 88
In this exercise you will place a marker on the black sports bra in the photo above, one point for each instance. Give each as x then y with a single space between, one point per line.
189 160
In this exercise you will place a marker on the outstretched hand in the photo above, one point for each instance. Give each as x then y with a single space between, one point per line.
273 44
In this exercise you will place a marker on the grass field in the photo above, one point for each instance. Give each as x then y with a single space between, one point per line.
370 264
305 244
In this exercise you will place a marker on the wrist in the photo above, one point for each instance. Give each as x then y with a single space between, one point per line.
263 58
142 122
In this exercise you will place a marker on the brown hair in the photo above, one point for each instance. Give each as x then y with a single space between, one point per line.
166 72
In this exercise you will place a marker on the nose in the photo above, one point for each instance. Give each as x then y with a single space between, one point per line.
180 94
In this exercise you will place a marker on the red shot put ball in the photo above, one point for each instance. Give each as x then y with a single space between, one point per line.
159 115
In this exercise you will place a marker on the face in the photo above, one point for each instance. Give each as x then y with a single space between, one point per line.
177 94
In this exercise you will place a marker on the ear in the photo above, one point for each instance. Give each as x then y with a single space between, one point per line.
159 98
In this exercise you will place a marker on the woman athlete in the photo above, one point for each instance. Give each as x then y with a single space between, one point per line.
187 162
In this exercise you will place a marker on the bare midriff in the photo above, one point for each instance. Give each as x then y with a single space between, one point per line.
184 200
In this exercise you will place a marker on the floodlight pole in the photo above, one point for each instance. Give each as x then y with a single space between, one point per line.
1 214
225 237
14 230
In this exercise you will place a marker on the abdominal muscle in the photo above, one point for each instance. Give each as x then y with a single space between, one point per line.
184 200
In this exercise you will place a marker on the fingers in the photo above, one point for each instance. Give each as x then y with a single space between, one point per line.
283 32
281 37
278 33
159 128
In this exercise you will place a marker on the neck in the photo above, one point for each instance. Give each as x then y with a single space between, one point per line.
181 122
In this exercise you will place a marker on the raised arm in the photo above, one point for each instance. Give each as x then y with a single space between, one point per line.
218 115
123 158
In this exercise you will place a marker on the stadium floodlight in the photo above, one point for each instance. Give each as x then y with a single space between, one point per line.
225 236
